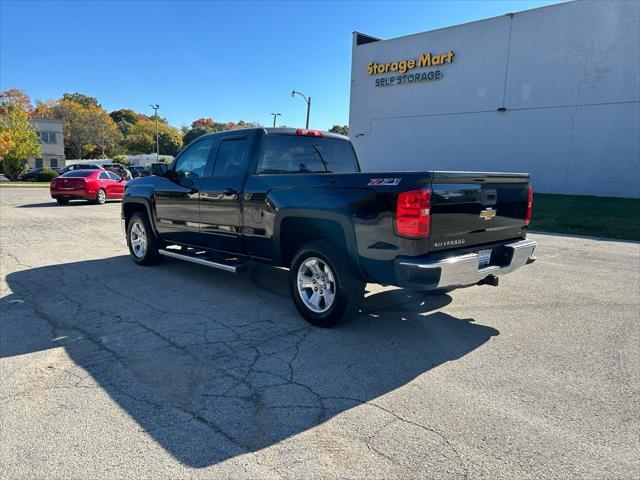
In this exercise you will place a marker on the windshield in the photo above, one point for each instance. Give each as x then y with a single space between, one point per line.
297 154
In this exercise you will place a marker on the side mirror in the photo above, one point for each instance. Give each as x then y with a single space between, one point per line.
186 182
159 169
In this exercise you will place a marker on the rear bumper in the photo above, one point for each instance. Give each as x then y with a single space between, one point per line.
68 193
462 270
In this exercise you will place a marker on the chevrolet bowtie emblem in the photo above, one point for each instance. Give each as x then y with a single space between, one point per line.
488 214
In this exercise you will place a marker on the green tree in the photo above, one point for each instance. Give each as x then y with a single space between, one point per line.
18 138
81 98
142 137
125 119
341 129
125 114
194 133
124 127
202 126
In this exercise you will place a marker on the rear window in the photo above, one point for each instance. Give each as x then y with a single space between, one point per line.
78 173
296 154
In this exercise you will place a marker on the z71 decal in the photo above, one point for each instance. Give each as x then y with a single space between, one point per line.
384 181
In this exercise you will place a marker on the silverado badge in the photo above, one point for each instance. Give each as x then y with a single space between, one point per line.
488 213
384 181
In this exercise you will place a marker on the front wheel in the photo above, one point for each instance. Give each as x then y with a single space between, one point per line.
62 201
325 286
142 241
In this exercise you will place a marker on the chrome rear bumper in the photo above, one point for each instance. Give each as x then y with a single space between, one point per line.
462 270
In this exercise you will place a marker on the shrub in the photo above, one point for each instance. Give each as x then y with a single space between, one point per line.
46 174
121 159
13 168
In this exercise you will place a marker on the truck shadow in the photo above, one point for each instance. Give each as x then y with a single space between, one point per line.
213 365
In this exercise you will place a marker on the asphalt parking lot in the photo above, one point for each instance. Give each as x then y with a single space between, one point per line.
111 370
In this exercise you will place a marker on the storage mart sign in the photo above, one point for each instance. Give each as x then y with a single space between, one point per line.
403 66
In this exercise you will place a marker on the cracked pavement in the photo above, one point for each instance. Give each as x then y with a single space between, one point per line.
111 370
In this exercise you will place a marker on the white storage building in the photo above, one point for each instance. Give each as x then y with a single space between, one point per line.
553 91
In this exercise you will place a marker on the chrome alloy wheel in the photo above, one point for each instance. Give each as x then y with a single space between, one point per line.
102 197
316 285
138 238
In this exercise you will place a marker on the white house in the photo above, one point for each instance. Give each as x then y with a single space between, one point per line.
51 134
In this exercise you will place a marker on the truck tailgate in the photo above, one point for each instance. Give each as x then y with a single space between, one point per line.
469 209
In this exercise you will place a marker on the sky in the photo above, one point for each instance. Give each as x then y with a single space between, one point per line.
224 60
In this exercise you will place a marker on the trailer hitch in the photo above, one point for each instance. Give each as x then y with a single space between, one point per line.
489 280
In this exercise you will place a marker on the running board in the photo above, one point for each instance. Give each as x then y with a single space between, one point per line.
203 259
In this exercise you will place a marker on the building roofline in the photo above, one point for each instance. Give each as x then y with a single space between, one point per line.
40 119
554 5
362 38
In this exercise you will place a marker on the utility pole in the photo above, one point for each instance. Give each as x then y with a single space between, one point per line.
308 100
155 109
275 115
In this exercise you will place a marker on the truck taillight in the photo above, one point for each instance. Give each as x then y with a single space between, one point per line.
308 133
413 213
527 219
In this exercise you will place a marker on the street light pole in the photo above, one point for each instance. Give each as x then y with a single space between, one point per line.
155 109
308 100
275 115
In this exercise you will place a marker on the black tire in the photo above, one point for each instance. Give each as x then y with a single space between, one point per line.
101 197
151 256
349 287
62 201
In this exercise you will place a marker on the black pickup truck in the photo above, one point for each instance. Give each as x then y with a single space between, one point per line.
296 198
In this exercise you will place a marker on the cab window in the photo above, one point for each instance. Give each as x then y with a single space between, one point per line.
193 162
230 158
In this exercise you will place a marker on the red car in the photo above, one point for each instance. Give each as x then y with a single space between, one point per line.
94 185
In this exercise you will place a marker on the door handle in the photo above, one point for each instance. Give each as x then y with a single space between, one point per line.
230 191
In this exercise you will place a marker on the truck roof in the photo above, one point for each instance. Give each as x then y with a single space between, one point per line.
294 131
278 131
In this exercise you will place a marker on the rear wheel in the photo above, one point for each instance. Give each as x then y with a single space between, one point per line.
325 286
62 201
101 197
142 241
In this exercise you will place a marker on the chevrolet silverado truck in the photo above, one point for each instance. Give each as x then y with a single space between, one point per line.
296 198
